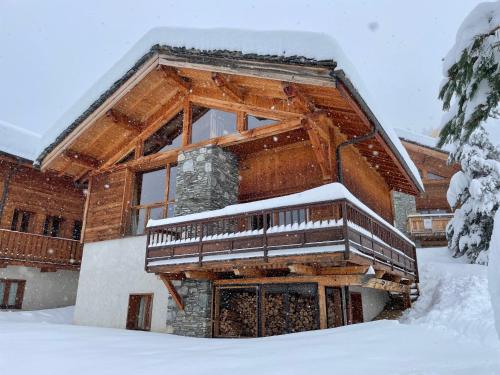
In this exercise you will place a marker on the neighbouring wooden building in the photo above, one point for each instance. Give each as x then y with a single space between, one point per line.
431 212
265 178
40 224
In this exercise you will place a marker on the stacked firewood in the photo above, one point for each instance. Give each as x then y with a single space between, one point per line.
302 313
275 314
239 317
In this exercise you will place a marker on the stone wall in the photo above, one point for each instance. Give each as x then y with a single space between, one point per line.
207 179
404 205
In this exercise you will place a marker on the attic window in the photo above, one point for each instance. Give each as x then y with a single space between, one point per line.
257 122
432 176
168 137
211 123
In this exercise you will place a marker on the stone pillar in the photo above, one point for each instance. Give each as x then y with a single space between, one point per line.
403 205
207 179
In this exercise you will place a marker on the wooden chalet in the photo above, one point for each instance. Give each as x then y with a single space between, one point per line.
186 131
427 225
40 226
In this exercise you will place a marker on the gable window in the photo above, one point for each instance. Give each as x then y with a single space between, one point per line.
211 123
52 226
21 220
77 230
168 137
11 294
139 312
257 122
154 197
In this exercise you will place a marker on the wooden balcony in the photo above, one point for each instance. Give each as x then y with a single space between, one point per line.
327 233
20 248
431 227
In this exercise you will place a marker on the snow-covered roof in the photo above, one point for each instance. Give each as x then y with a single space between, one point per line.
421 139
18 142
290 47
328 192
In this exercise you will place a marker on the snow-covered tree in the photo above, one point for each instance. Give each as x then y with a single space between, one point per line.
470 94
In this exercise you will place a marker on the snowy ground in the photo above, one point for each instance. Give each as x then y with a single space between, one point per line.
449 331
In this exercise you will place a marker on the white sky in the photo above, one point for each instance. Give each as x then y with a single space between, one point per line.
53 51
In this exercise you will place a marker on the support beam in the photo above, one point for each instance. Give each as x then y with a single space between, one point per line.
187 122
386 285
303 269
171 75
297 98
173 292
320 149
379 273
124 121
228 88
249 272
349 270
81 159
200 275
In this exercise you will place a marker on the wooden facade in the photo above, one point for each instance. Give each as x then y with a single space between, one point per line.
310 116
428 225
41 217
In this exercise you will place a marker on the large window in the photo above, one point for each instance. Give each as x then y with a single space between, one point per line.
21 220
154 197
11 294
211 123
139 312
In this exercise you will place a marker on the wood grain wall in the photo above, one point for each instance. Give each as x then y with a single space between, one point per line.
41 194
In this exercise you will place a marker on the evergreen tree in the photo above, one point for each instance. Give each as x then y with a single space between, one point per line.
470 94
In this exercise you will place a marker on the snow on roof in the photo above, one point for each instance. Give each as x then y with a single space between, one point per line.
18 142
307 48
421 139
328 192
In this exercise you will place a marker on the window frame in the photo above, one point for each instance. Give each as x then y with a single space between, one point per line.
4 299
165 204
148 317
48 226
18 220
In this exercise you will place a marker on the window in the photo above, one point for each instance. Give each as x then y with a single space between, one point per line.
433 176
154 197
77 230
52 226
21 220
257 122
168 137
211 123
139 312
11 294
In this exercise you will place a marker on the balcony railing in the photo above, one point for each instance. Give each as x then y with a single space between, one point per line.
38 249
306 229
428 225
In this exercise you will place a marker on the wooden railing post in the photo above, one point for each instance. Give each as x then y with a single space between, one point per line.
347 252
264 223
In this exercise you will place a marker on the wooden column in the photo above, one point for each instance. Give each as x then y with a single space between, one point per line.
186 125
323 322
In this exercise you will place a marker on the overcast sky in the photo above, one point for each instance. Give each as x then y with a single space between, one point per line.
51 52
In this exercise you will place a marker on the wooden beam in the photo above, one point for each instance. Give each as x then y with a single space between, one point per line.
86 210
228 88
303 269
379 273
241 121
187 122
173 292
81 159
332 280
171 75
125 122
323 314
386 285
48 269
348 270
249 272
200 275
319 148
297 98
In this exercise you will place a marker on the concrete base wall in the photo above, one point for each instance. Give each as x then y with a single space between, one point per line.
44 290
110 272
373 300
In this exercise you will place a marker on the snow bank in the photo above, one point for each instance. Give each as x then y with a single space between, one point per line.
454 298
494 271
62 315
18 141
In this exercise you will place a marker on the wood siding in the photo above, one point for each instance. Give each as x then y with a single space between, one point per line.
107 214
41 194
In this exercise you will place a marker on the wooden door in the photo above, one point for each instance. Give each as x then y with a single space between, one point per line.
356 308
